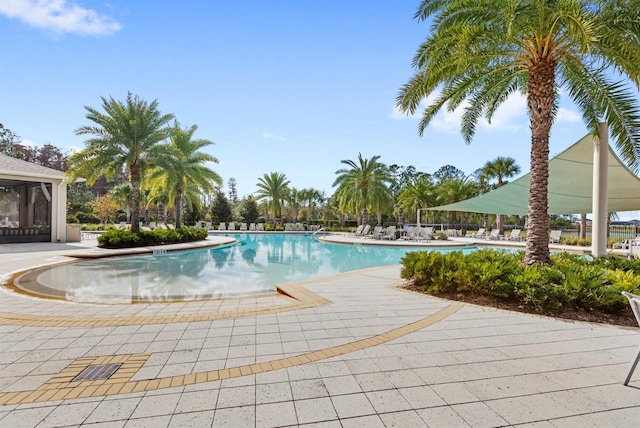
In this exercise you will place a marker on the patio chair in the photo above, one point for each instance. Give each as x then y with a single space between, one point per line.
411 234
479 234
222 226
260 227
152 225
243 226
377 233
252 227
232 226
514 235
425 234
634 301
300 227
390 233
359 230
365 231
554 236
495 234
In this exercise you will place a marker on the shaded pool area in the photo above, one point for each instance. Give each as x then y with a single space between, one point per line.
255 265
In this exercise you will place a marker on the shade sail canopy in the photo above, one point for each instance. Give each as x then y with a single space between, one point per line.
570 187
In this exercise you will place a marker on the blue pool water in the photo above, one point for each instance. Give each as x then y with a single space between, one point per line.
256 265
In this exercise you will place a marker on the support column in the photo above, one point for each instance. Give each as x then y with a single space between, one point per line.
599 196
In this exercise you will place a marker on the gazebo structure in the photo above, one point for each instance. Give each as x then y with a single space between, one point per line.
33 202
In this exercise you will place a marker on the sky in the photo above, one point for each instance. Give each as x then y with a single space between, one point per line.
284 86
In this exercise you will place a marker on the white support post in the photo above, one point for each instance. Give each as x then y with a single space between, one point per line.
599 197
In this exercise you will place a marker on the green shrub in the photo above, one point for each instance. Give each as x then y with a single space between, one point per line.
572 281
122 238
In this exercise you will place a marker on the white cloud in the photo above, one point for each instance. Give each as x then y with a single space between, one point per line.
269 136
60 16
567 116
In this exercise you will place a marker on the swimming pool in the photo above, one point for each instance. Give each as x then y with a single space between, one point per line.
255 265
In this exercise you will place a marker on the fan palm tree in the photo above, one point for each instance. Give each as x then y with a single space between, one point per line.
274 188
126 137
481 52
358 183
499 169
182 173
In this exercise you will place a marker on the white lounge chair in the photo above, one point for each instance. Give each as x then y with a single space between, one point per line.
252 227
365 231
260 227
300 227
514 235
554 236
359 230
222 226
152 225
495 234
243 226
377 233
390 233
479 234
425 234
634 301
232 226
410 234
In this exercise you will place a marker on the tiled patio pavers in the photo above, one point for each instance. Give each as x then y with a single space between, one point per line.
364 353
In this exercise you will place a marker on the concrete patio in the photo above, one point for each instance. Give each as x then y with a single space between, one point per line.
351 350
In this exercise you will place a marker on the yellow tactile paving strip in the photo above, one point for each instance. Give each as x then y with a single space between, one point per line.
60 386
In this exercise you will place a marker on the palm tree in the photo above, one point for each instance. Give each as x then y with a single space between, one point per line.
274 187
182 173
499 169
126 138
455 189
359 183
417 193
123 196
481 52
311 196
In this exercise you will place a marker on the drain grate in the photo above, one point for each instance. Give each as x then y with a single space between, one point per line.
97 372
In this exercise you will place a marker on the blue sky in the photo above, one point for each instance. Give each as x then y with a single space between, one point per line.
284 86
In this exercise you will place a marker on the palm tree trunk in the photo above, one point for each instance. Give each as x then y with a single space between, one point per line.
134 177
540 99
485 221
583 226
178 204
500 223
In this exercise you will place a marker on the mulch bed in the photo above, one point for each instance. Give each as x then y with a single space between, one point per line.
623 318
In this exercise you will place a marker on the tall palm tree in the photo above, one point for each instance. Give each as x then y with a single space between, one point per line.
183 171
361 181
455 189
273 187
499 169
481 52
417 193
312 197
126 137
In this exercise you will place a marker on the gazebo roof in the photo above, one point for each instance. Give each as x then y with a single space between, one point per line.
24 170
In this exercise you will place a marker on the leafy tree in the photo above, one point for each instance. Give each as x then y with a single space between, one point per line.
105 207
363 180
455 189
249 210
482 52
183 168
447 172
274 188
233 190
499 169
8 139
126 137
312 197
220 208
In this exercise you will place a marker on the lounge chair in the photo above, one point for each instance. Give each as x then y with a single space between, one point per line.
170 226
300 227
495 234
222 226
243 226
260 227
377 233
514 235
252 227
152 225
288 227
390 233
411 234
232 226
634 301
359 230
365 231
479 234
554 236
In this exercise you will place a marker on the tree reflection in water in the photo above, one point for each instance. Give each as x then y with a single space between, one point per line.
255 265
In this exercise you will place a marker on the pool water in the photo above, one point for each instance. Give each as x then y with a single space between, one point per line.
255 265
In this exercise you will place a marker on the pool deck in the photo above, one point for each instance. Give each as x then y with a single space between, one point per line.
351 350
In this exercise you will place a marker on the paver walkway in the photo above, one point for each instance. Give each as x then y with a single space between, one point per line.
349 350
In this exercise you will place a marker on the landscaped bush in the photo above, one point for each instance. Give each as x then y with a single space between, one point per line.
571 282
122 238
